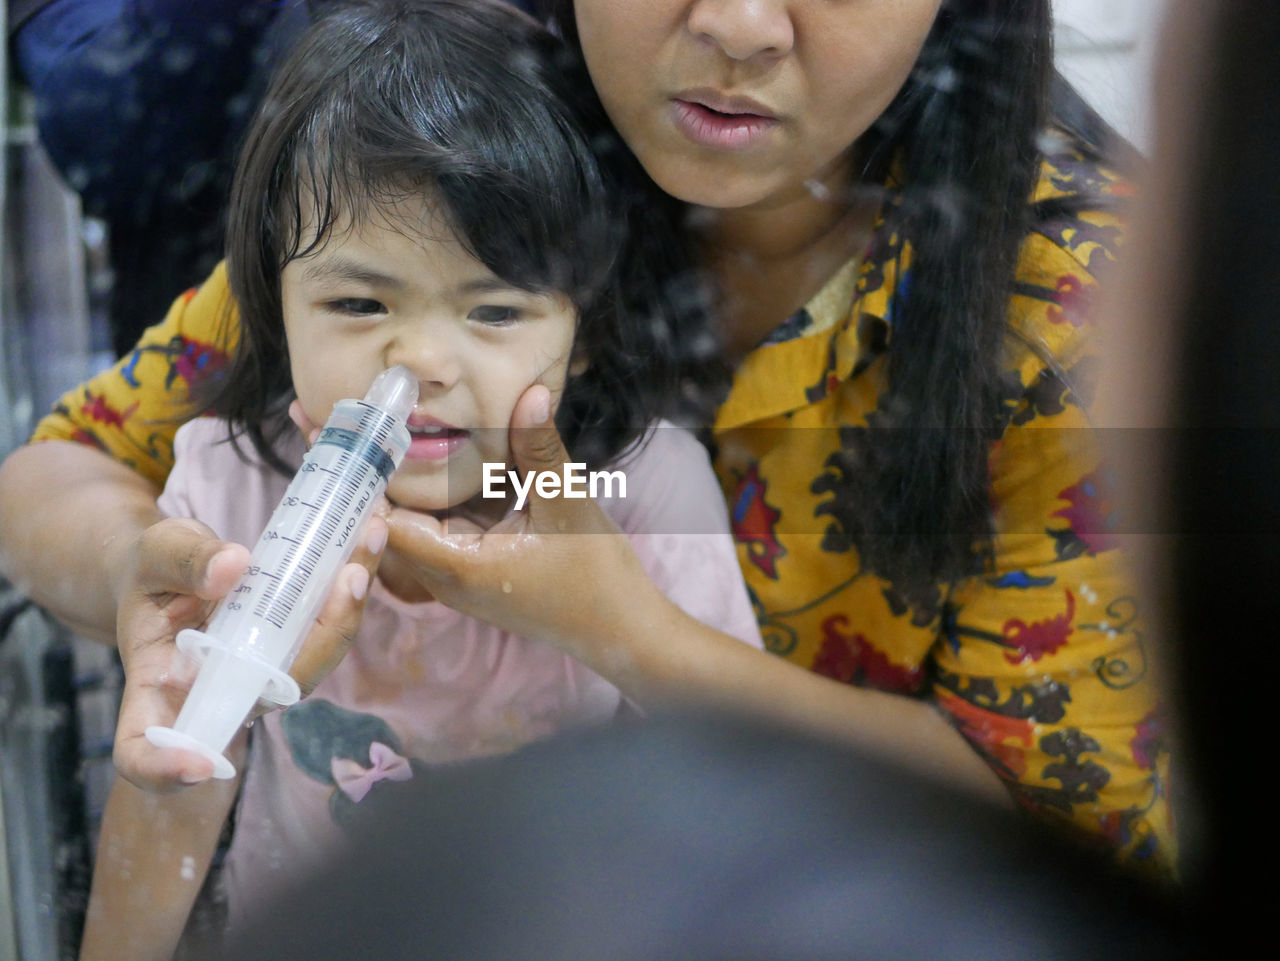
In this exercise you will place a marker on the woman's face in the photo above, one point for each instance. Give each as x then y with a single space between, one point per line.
737 103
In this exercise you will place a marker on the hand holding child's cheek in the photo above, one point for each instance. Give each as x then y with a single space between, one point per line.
554 570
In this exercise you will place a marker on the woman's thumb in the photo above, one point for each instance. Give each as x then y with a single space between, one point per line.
535 442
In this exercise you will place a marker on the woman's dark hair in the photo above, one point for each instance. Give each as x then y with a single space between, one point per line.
963 138
479 106
966 129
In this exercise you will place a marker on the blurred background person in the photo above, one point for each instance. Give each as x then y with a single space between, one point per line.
709 838
138 104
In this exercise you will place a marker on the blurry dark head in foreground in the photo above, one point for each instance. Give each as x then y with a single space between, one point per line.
711 839
1224 461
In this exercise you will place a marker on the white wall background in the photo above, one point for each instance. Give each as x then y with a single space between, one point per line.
1106 48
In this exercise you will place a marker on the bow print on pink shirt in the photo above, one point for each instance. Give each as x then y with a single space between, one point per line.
356 781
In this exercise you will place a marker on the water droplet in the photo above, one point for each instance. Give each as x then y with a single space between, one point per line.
817 189
506 587
188 870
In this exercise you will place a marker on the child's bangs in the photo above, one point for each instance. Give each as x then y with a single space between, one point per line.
327 192
492 146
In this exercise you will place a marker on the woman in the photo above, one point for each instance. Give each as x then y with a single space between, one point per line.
904 446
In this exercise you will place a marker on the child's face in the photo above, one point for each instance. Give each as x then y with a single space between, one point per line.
400 289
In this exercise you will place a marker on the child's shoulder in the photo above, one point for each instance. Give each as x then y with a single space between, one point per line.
222 484
664 484
662 438
200 433
664 449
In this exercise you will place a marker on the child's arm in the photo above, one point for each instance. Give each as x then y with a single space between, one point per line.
153 855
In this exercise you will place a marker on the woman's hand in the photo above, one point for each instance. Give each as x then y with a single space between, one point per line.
179 573
559 569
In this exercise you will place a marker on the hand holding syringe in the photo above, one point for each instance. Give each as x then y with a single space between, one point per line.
246 650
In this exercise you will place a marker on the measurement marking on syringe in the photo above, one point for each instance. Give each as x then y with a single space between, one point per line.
329 517
324 519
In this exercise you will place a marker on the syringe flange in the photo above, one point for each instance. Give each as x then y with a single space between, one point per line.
261 681
278 687
223 769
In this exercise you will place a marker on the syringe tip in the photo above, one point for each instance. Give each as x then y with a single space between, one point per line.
395 390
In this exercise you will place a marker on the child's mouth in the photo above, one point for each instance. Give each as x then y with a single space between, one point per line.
435 441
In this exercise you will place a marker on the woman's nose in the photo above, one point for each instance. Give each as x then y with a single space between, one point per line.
743 29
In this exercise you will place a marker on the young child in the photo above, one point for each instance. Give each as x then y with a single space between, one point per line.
427 184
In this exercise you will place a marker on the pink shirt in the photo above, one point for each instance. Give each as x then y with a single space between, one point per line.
424 684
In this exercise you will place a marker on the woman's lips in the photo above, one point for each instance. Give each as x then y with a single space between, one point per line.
713 127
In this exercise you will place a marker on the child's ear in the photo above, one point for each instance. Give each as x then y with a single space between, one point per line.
578 363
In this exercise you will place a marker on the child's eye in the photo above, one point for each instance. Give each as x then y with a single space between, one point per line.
492 314
358 306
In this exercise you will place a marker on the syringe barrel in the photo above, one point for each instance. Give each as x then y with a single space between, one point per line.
312 533
256 632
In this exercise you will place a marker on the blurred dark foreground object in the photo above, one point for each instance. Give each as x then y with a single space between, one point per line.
706 838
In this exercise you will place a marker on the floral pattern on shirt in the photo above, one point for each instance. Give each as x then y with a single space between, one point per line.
1042 662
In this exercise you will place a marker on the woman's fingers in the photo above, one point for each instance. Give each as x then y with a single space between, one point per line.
184 557
180 570
157 678
155 769
535 442
523 574
335 628
154 694
306 426
537 448
174 564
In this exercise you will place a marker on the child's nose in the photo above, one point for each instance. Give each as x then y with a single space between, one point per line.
429 355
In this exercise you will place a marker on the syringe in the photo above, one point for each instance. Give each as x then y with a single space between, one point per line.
246 650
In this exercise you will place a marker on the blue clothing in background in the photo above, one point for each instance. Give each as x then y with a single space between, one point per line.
140 105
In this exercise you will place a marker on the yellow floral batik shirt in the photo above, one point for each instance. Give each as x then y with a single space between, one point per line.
1042 663
133 410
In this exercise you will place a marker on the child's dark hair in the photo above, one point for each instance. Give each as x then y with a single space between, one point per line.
964 137
475 103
